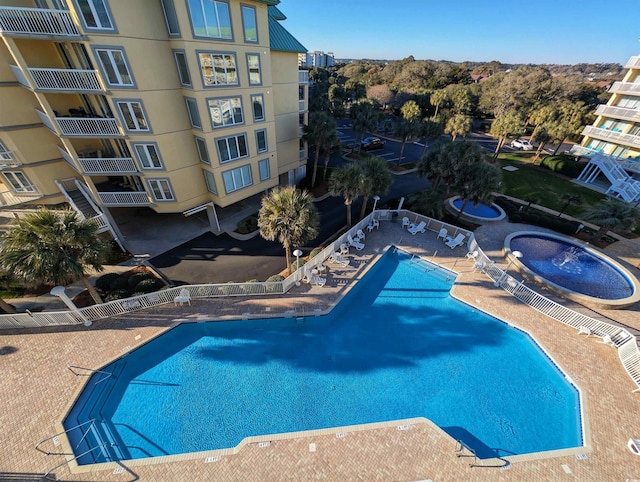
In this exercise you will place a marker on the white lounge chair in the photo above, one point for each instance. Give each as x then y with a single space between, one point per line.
606 339
472 255
405 222
360 235
443 234
457 241
344 249
335 258
356 244
314 279
420 228
634 446
584 330
479 266
374 224
183 297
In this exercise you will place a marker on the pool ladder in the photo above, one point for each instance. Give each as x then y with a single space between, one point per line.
77 371
460 452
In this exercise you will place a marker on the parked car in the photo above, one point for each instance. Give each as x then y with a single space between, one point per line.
522 144
371 143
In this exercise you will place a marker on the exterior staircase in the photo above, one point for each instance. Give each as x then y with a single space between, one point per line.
623 186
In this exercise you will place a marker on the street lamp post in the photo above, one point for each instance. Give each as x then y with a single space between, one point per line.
297 253
376 198
515 255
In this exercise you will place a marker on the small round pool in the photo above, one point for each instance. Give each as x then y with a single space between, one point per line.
477 213
574 269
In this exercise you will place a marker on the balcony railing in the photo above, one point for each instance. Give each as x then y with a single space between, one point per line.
66 80
36 22
8 160
303 154
625 88
608 135
618 112
301 106
125 198
303 76
19 196
633 63
107 165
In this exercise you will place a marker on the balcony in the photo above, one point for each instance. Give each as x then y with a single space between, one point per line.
94 162
60 80
36 23
19 196
124 198
82 126
301 106
608 135
303 76
302 155
633 63
621 113
625 88
7 161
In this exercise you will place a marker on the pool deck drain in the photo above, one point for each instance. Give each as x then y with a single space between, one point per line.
35 374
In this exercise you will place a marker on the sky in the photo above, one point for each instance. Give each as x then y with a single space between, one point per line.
510 31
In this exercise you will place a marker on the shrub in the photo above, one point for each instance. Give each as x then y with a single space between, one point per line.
117 295
104 282
136 278
563 164
275 277
120 283
148 285
252 281
315 251
248 224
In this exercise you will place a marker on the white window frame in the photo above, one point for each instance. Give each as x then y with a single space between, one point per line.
164 189
5 154
232 142
113 65
186 82
250 55
231 177
266 142
193 112
196 7
97 20
130 111
208 60
219 106
145 157
17 184
253 107
244 9
201 148
210 181
263 165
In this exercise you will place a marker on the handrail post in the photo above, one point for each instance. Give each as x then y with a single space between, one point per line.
59 292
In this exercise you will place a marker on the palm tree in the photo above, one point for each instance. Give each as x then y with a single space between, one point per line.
332 142
429 202
376 179
610 214
405 129
567 200
288 215
437 98
346 181
320 132
458 125
476 183
503 126
364 117
430 130
47 247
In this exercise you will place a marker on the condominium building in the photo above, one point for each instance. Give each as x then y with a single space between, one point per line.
612 143
176 105
316 59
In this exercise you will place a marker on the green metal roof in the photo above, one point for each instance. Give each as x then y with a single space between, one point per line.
276 13
281 40
269 2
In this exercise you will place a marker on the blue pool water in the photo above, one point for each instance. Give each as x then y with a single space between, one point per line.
479 210
397 346
572 267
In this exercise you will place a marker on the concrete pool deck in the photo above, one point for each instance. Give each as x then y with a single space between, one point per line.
38 389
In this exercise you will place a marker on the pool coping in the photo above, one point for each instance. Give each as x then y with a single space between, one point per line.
452 209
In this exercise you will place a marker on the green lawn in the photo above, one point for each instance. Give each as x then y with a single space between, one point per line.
529 181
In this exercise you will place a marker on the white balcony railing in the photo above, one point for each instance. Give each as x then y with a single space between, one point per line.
633 63
303 76
303 154
608 135
107 165
578 150
19 196
625 88
126 198
301 106
88 126
9 163
66 80
618 112
36 22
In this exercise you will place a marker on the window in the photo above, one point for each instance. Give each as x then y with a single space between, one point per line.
5 154
263 166
249 24
232 148
253 64
201 146
148 156
114 65
95 14
183 68
218 69
226 112
258 108
169 9
261 140
210 181
161 189
19 182
210 18
133 116
237 178
194 115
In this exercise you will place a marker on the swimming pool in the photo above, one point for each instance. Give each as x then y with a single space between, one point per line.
478 213
397 346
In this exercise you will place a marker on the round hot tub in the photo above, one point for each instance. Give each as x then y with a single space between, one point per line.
573 269
476 213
